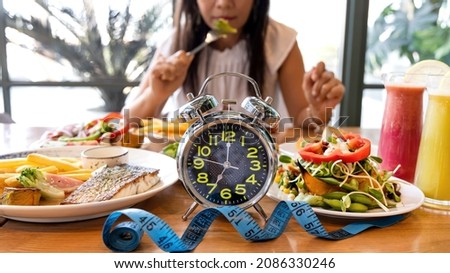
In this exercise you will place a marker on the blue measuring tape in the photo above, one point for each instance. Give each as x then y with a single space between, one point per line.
126 236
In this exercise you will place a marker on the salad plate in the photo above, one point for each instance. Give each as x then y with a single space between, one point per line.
411 196
288 148
77 212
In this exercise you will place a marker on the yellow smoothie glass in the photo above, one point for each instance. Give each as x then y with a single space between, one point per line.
433 161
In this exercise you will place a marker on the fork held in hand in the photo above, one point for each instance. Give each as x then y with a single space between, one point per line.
330 130
211 36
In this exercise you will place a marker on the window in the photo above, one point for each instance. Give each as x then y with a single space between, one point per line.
400 33
317 38
68 59
373 98
339 32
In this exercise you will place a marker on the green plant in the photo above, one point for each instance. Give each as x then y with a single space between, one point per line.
412 29
118 54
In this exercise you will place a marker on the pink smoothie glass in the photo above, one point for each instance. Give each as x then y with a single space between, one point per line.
401 127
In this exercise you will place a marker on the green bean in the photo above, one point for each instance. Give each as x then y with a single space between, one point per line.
334 195
314 200
333 203
285 159
354 197
357 207
376 193
346 186
336 204
361 198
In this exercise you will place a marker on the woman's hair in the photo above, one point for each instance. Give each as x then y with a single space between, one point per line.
191 30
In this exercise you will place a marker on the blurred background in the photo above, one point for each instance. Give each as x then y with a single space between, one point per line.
68 62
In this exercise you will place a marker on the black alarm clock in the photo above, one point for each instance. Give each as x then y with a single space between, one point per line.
226 157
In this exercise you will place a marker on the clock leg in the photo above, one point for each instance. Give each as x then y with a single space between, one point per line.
189 211
261 212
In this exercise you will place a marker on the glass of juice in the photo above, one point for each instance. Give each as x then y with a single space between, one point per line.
401 126
434 153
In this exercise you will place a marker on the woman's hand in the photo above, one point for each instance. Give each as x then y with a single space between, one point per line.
165 76
322 89
169 73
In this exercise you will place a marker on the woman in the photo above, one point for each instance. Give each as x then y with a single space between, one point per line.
262 48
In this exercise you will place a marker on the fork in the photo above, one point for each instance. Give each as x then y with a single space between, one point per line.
330 130
211 36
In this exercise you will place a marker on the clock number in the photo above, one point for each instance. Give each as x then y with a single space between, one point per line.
240 189
202 178
225 193
228 136
251 179
252 152
213 140
213 187
242 141
256 165
204 151
199 163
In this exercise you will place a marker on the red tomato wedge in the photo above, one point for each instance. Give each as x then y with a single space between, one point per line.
358 149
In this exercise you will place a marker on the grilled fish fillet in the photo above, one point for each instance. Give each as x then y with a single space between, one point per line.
114 182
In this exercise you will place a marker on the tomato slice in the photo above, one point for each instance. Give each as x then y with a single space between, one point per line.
358 149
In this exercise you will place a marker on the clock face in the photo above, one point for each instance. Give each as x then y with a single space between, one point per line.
227 163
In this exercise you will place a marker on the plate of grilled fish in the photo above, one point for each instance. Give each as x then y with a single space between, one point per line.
107 188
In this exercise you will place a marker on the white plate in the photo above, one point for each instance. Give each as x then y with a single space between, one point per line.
67 213
412 198
289 149
44 143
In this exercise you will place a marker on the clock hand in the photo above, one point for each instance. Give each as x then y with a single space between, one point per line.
225 165
209 160
228 151
220 176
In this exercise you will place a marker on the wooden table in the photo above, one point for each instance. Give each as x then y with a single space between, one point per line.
424 230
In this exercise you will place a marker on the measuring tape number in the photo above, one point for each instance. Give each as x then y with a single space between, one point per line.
126 236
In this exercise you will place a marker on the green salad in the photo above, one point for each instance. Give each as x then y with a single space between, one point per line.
338 174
